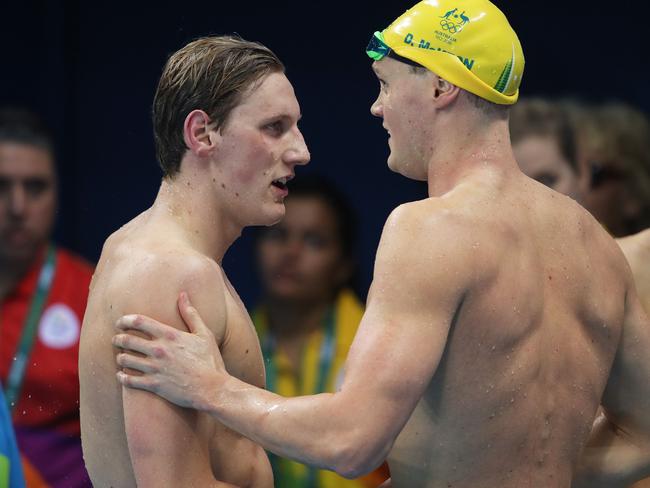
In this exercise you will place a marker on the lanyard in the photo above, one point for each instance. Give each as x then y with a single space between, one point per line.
19 365
324 365
324 361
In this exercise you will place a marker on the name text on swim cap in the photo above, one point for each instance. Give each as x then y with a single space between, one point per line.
425 44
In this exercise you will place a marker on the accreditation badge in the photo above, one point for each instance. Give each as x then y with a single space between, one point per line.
59 327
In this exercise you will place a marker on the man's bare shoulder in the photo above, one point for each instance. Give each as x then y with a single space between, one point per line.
427 215
426 237
144 273
448 225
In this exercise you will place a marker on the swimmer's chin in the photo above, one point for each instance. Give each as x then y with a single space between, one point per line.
272 218
406 170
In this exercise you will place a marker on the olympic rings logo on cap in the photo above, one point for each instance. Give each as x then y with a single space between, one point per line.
449 26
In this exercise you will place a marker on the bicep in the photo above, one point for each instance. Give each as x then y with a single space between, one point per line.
168 446
392 361
402 336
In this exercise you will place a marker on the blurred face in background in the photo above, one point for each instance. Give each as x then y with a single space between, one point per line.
608 196
27 200
540 158
301 258
614 155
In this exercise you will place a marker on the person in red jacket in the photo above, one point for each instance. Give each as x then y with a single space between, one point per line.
43 292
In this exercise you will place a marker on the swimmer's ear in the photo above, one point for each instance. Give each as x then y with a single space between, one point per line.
198 133
444 92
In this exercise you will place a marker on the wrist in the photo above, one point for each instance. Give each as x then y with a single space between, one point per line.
215 394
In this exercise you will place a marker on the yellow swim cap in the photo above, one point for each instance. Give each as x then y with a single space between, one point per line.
467 42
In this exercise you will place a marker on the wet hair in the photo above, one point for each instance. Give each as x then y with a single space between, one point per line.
210 74
544 118
486 107
19 125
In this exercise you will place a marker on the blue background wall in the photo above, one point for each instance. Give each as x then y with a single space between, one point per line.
91 70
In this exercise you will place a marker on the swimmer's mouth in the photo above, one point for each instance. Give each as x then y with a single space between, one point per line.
281 183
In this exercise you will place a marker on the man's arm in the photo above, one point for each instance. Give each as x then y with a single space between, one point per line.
169 445
618 452
636 249
419 281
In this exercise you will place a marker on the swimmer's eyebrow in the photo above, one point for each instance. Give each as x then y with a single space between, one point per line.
283 117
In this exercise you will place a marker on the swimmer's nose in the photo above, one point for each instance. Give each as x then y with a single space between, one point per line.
377 109
297 154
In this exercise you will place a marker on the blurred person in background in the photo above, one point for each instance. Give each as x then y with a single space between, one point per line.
43 292
309 311
613 150
544 143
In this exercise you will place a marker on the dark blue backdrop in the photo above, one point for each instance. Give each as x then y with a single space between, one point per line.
91 69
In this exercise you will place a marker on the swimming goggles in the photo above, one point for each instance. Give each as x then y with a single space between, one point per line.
378 49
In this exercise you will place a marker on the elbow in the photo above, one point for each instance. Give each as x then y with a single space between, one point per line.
358 454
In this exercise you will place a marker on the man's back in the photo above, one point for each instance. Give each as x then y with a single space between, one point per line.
530 346
127 437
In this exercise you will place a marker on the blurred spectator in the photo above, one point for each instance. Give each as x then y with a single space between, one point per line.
43 292
598 154
309 312
544 144
11 472
614 152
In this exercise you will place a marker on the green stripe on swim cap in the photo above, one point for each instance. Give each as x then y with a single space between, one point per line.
503 80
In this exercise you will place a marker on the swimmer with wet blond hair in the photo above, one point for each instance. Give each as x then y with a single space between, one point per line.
225 123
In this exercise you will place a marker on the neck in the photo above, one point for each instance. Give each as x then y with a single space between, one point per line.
289 319
191 204
482 145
